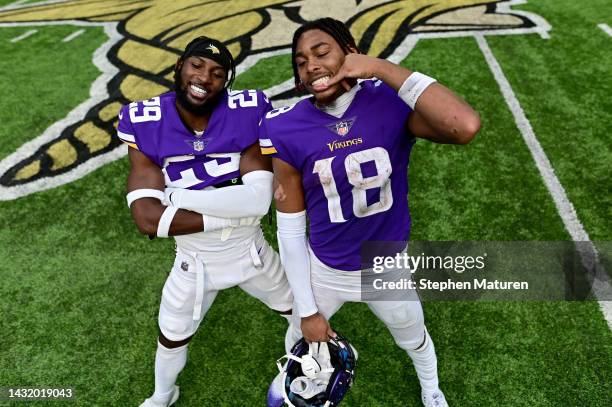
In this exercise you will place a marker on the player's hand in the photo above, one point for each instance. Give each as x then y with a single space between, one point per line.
315 328
355 66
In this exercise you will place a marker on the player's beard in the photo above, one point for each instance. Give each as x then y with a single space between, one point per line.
200 110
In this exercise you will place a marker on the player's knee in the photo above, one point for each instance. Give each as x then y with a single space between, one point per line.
170 344
404 316
423 343
173 322
411 343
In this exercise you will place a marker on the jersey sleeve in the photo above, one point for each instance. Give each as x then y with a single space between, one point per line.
273 140
252 106
264 104
125 129
395 107
265 143
263 107
391 98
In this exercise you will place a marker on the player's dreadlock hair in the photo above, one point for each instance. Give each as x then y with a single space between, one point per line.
213 49
336 28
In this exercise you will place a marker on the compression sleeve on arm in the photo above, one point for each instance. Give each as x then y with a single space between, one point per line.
293 248
251 199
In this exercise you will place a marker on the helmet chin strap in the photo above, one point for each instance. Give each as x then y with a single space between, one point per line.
306 388
317 369
319 362
310 366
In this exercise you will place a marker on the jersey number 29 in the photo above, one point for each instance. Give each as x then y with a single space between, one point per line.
151 111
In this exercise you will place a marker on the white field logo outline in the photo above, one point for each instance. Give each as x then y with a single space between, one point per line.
98 93
98 90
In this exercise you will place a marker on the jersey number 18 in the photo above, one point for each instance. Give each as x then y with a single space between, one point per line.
352 165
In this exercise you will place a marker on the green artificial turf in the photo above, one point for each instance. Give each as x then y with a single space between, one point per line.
41 90
266 73
80 288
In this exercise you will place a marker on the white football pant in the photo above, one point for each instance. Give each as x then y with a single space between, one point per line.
197 277
404 319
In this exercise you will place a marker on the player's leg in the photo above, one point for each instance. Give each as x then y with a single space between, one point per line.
328 303
405 321
269 284
324 284
170 359
177 326
332 288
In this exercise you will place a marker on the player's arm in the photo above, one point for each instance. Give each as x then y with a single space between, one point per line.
149 213
293 248
252 199
439 115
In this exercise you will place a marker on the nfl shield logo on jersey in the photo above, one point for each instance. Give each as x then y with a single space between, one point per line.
343 127
198 145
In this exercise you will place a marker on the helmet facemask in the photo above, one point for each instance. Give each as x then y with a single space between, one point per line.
318 373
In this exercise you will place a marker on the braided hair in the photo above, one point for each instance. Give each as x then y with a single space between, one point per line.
336 28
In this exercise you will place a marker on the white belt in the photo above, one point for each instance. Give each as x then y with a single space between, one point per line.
255 255
199 297
200 268
199 294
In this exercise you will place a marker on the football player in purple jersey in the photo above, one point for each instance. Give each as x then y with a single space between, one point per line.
341 159
197 174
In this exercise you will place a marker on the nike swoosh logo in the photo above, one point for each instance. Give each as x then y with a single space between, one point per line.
120 115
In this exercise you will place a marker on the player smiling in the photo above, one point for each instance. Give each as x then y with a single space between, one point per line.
341 159
190 151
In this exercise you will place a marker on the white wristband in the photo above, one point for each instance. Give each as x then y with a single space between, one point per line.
413 87
144 193
163 227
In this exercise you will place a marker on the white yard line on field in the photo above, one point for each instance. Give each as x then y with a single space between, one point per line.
23 36
73 35
23 4
586 248
97 92
15 4
606 28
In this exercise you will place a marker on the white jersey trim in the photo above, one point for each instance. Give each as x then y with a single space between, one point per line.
128 138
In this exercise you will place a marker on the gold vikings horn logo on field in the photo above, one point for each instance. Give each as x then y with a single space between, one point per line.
147 36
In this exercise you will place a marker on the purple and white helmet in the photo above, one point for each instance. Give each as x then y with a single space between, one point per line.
316 374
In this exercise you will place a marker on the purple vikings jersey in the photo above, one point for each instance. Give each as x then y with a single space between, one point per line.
354 170
188 161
